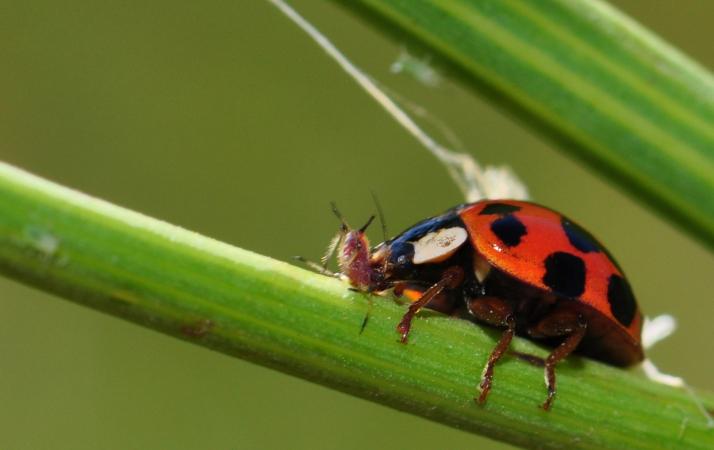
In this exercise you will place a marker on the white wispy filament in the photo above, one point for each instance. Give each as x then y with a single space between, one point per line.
475 182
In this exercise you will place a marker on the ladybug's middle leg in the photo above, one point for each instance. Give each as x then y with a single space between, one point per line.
562 322
497 312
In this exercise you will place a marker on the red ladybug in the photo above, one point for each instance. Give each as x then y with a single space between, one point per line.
510 264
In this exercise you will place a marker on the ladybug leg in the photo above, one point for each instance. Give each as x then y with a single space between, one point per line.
563 323
496 354
530 359
451 278
445 302
497 312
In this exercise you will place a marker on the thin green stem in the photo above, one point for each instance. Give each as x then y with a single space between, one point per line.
253 307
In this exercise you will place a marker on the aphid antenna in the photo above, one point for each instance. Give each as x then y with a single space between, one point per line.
344 226
366 225
380 214
331 248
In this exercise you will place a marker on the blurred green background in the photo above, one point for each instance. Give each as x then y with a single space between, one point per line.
223 117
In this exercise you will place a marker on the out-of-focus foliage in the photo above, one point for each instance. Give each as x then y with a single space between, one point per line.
225 119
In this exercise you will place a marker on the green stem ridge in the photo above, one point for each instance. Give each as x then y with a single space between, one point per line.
607 90
253 307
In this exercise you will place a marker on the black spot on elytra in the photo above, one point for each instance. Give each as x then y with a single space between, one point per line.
579 237
499 208
565 274
621 299
509 230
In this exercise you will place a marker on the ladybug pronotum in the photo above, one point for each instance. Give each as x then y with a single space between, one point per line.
510 264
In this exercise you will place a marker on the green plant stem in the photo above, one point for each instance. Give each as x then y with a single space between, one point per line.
604 88
253 307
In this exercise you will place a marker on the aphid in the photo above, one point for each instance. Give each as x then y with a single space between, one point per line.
511 264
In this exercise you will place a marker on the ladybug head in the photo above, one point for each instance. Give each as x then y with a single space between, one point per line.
353 253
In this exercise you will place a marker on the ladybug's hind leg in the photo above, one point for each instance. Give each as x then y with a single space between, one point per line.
496 312
559 323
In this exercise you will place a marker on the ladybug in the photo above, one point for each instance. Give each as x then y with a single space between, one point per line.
510 264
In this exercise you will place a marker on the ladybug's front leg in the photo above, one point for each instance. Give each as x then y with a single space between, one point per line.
497 312
559 323
451 278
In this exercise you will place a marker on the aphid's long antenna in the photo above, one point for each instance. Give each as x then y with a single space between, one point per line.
380 213
343 222
475 182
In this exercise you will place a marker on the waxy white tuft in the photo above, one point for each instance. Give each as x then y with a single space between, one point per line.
475 181
653 331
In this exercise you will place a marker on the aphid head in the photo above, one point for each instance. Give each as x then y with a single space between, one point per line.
353 253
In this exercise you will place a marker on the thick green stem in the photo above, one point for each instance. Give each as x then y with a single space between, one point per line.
253 307
603 87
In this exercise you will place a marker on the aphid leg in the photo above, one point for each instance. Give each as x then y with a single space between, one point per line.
451 278
317 267
370 305
331 248
574 328
398 288
367 315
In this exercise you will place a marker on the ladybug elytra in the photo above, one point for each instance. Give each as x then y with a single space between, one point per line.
510 264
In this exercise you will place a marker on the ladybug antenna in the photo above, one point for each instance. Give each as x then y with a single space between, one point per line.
380 213
344 227
369 221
